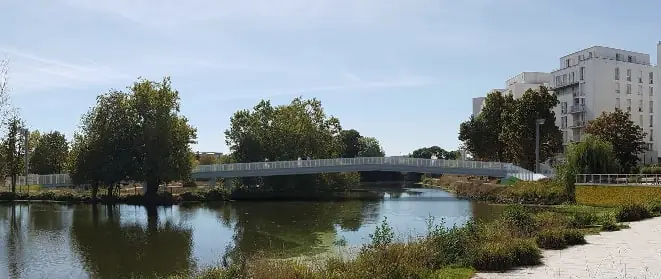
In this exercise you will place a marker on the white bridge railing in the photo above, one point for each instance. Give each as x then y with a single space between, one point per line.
413 162
510 169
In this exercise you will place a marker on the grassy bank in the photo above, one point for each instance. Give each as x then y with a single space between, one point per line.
516 239
183 195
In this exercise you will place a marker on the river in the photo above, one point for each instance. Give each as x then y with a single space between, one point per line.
42 240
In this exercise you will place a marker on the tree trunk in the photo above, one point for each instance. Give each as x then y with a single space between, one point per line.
95 190
110 190
152 188
13 184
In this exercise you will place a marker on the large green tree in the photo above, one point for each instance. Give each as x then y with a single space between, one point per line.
627 138
370 147
13 150
519 132
481 133
505 129
136 135
50 154
300 129
592 155
351 143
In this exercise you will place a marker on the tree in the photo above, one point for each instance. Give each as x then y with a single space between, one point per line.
5 107
35 135
299 129
13 150
481 134
207 159
138 135
520 131
370 147
627 138
50 153
592 155
351 143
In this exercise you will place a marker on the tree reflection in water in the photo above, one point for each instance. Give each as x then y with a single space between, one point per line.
111 248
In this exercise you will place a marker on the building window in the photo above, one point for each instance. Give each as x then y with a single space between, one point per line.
651 120
617 103
640 119
590 54
651 77
617 73
651 134
651 91
581 74
628 74
557 81
563 122
651 106
564 79
628 105
640 105
567 63
628 88
617 88
640 79
572 77
629 59
618 57
640 90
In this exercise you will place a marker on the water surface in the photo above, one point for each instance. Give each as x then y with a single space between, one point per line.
83 241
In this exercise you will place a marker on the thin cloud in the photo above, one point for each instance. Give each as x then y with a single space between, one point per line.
362 86
31 72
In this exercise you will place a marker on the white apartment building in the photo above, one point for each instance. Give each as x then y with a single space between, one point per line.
516 86
600 79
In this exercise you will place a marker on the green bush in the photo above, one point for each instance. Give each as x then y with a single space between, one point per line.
7 196
559 238
217 194
519 220
583 219
191 197
551 239
190 183
504 255
632 212
609 226
654 206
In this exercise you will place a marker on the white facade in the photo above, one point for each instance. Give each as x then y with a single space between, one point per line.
526 80
478 103
601 79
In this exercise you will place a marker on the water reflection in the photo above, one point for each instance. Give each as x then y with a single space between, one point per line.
111 249
84 241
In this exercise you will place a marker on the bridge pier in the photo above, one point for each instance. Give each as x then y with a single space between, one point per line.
228 183
212 182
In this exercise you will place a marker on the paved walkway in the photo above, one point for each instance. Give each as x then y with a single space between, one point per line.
633 253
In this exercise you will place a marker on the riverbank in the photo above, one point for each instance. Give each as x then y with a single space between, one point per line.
514 240
631 253
194 195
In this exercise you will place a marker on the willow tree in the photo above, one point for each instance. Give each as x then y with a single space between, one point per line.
592 155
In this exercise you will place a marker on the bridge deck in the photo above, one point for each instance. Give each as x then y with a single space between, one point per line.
399 164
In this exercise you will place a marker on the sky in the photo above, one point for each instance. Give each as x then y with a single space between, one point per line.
403 71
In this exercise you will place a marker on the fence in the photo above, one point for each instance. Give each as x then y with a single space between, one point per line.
619 179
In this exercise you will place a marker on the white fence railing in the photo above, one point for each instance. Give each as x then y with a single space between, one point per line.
513 170
414 162
619 179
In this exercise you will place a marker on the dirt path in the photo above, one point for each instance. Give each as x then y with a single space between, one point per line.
626 254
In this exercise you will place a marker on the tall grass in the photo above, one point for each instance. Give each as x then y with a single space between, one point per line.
514 240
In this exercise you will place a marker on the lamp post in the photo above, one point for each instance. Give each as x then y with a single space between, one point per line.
538 122
26 136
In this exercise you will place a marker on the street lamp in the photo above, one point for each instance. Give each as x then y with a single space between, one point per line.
538 122
26 136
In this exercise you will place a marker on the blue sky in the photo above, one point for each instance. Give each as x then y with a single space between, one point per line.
401 71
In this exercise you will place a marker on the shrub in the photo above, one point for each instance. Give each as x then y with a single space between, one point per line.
583 219
550 220
519 220
190 183
7 196
632 212
503 255
217 194
559 238
609 226
654 206
191 196
551 239
573 237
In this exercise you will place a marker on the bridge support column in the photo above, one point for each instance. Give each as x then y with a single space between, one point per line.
228 183
212 182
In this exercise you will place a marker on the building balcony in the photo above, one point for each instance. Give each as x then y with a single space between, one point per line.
577 109
577 124
564 85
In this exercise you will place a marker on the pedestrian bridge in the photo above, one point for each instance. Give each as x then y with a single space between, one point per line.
397 164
